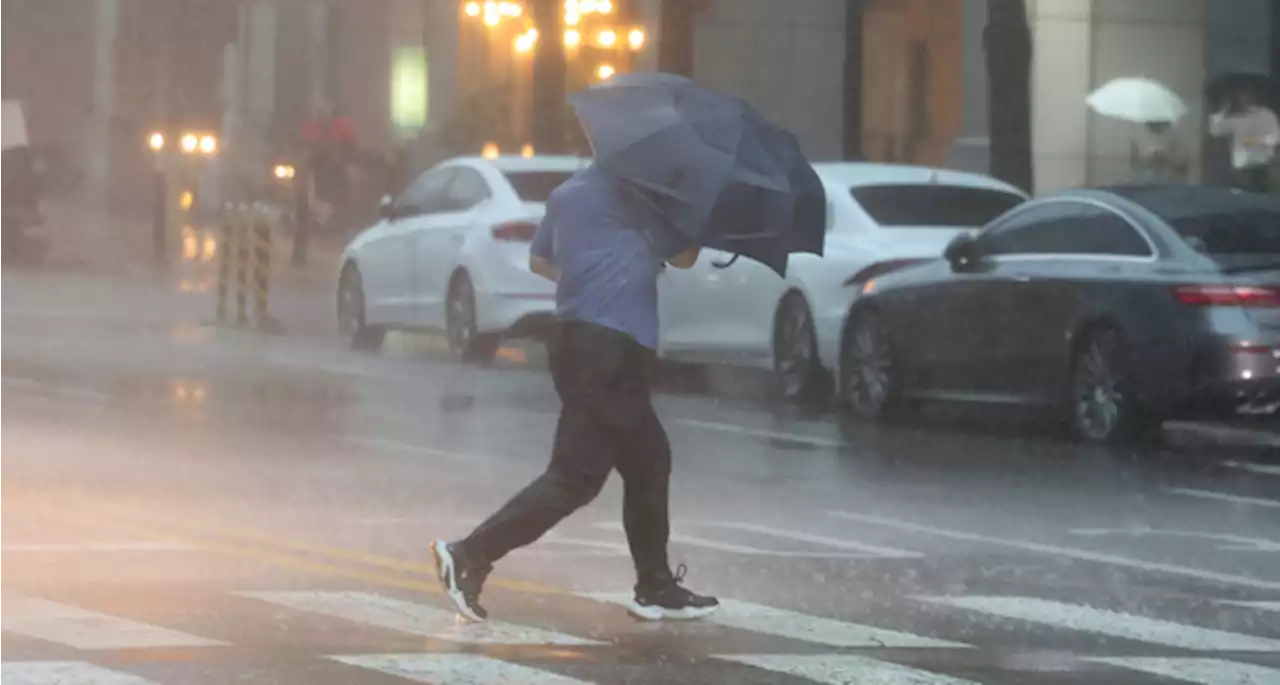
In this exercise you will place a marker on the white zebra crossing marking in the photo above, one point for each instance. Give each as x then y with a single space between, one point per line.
456 669
845 670
792 625
1198 671
736 548
1110 623
1253 467
1224 497
64 673
76 627
413 618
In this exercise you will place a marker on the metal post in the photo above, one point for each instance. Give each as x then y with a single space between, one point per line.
160 216
242 265
229 219
853 79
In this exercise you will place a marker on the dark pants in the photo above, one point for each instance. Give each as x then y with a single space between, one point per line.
607 422
1254 179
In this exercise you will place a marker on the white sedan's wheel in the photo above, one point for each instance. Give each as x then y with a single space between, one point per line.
466 343
800 376
351 319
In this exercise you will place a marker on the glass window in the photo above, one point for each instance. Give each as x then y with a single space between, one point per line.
1066 228
933 206
427 194
467 190
536 186
1252 232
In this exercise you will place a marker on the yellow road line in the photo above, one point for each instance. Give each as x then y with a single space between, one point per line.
198 534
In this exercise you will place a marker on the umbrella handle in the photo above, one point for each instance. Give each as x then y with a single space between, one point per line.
725 265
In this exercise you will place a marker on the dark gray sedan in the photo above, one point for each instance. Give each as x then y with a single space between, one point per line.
1119 307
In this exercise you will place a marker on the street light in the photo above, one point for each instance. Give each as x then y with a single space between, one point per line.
524 42
605 71
472 9
572 38
208 144
607 38
526 151
636 38
155 141
284 172
490 151
190 142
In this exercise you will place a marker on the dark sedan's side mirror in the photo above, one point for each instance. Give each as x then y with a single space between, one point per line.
962 252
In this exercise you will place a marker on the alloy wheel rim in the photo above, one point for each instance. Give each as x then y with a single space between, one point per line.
461 318
1098 397
795 349
349 308
871 368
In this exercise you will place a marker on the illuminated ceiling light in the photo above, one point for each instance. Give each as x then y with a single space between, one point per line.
491 14
526 151
605 71
190 142
472 9
607 38
524 43
572 19
490 151
491 20
604 6
510 9
572 38
208 144
156 141
636 38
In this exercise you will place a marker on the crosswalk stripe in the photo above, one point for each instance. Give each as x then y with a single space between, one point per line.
64 673
1224 497
767 620
1198 671
470 669
413 618
871 551
1110 623
845 669
82 629
1253 467
736 548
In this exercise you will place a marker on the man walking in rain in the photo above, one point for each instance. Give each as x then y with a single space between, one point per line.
606 272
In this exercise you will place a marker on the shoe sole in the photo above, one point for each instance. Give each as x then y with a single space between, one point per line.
448 581
656 613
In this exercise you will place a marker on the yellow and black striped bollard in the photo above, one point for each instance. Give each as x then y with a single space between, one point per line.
242 265
233 217
261 265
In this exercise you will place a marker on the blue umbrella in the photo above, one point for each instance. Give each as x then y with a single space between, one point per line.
705 168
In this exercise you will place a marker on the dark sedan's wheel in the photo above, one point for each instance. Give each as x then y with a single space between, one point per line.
466 343
869 379
1103 406
351 321
799 373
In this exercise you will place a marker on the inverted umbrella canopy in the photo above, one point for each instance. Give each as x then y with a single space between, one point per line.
705 166
1139 100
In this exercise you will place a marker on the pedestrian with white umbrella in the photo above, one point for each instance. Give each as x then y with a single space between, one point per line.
1155 155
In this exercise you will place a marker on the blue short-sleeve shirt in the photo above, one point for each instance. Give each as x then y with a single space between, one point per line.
608 269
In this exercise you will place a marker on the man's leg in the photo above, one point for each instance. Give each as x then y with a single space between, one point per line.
645 466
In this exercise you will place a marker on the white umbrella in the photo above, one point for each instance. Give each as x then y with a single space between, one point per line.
1137 99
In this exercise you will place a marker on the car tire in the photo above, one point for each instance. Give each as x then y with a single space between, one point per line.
351 320
1102 404
797 371
466 342
869 378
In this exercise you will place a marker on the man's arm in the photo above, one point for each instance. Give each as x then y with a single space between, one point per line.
544 268
1222 124
686 259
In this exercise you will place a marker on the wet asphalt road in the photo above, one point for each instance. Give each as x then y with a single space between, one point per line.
188 505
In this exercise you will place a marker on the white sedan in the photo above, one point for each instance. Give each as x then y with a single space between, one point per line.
452 253
879 217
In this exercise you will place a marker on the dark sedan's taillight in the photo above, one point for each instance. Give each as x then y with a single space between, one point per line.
881 268
515 231
1227 295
